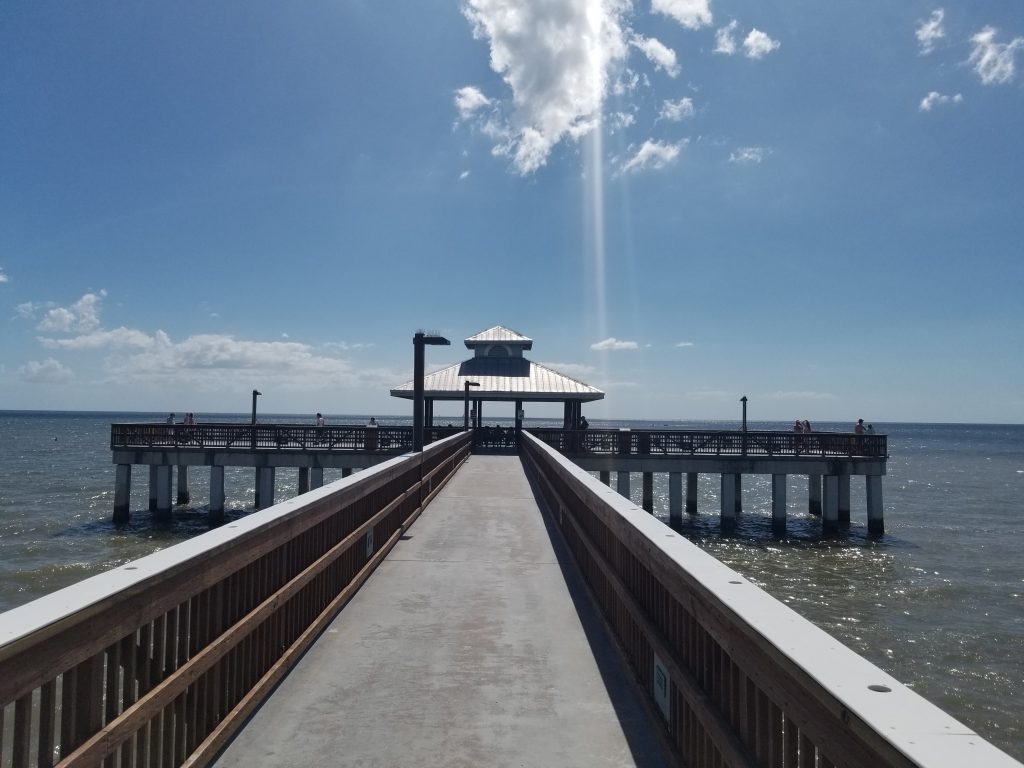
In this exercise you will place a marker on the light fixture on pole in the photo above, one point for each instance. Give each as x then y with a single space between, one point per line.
465 404
744 401
418 342
255 394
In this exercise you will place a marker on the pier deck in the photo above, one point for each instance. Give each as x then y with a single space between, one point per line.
453 654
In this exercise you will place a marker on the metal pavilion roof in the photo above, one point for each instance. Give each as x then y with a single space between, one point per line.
499 335
502 378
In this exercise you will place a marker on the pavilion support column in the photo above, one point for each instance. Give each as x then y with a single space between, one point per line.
164 477
727 502
622 483
519 420
183 495
265 487
779 504
844 499
606 477
122 493
303 480
216 494
153 483
567 415
479 413
830 504
675 499
873 486
428 415
691 493
316 478
739 492
648 492
814 494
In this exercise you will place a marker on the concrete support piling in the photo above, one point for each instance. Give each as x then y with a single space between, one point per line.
265 487
876 523
648 492
830 504
164 478
346 472
779 504
814 494
675 499
153 483
739 492
606 477
216 494
183 495
122 493
844 499
728 501
303 480
316 478
691 493
622 483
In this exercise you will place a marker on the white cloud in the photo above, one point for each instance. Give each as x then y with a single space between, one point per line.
347 346
931 31
48 371
463 175
658 53
692 14
757 44
82 316
684 344
556 59
119 337
613 344
676 110
470 100
3 276
724 41
622 120
748 155
994 62
935 98
653 155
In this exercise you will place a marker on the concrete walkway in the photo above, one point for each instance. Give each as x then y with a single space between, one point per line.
469 646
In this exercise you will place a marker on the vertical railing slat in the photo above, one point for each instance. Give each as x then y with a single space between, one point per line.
47 722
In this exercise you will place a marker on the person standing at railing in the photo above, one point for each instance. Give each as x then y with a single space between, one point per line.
320 419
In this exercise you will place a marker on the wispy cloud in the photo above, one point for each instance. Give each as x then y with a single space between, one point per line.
748 155
347 346
684 343
994 62
82 316
934 99
3 276
676 110
469 100
555 58
118 337
653 155
692 14
797 395
613 344
658 53
930 32
757 44
725 43
48 371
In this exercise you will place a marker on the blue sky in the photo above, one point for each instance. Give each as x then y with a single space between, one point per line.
817 205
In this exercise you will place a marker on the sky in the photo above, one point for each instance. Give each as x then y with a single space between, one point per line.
815 205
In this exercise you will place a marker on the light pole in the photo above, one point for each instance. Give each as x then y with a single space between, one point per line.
418 342
255 394
465 404
744 401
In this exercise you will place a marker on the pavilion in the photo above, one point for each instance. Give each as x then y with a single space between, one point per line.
502 375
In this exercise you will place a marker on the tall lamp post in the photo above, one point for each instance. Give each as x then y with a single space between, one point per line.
255 394
744 401
420 340
465 404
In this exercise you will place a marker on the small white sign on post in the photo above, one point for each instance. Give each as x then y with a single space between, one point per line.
661 687
369 542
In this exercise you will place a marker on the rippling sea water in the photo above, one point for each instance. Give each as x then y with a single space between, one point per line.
938 601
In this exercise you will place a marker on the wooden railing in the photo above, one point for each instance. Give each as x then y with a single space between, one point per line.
237 436
738 678
158 662
634 442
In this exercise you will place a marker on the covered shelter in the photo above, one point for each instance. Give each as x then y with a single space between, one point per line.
502 374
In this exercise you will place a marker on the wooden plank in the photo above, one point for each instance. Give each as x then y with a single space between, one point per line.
47 723
22 737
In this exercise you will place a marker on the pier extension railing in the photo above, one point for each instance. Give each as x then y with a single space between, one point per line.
158 662
239 436
738 678
682 442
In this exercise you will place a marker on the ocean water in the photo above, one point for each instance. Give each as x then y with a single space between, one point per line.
938 601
